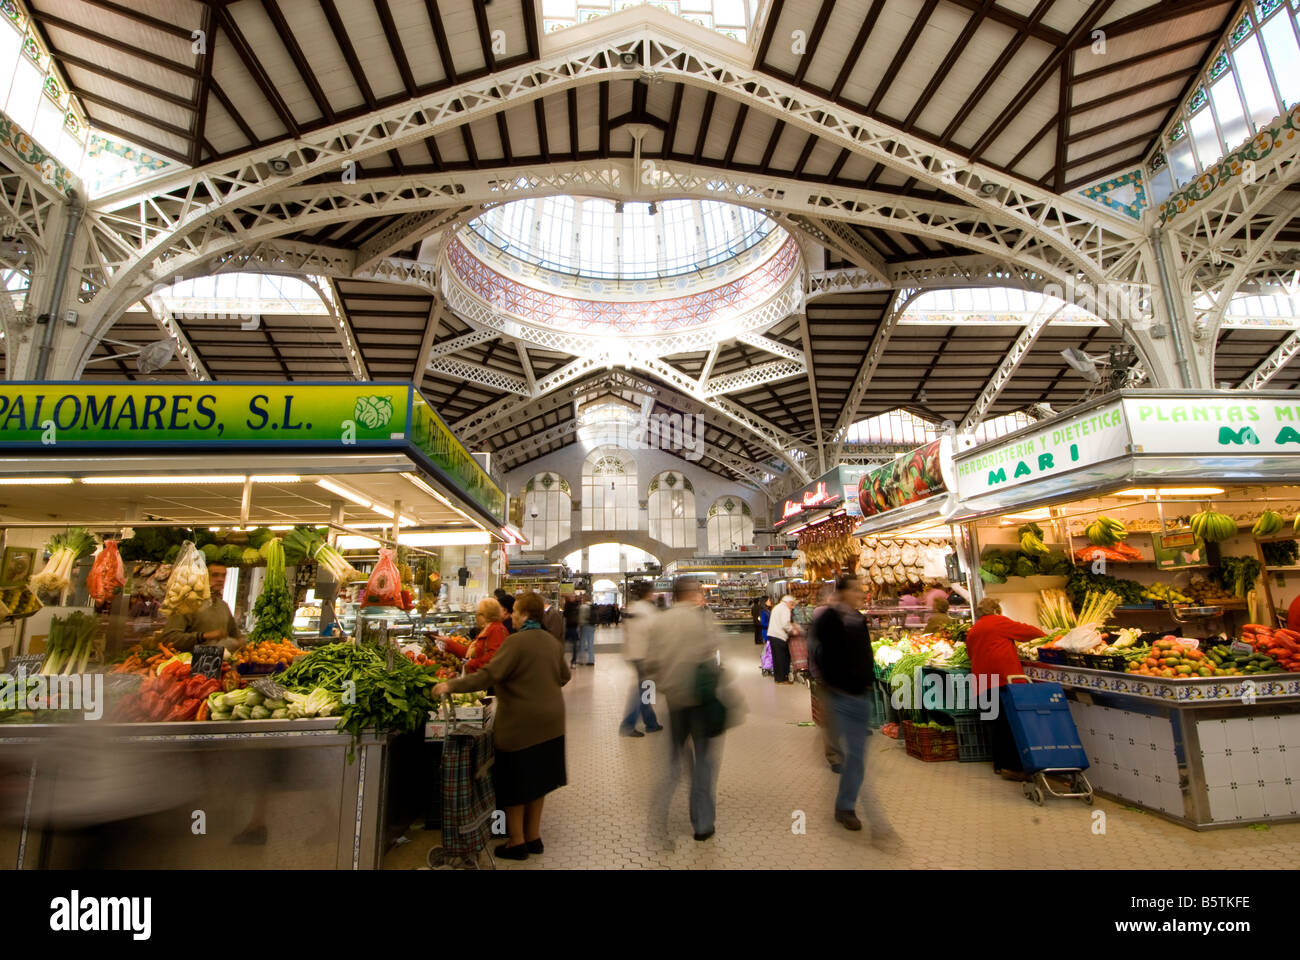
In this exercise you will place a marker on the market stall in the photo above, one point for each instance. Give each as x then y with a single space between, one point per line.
903 540
1134 531
293 754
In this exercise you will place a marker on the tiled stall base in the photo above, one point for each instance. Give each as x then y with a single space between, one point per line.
1131 756
1252 766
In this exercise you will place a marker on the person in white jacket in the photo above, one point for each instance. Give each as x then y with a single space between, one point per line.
779 628
638 631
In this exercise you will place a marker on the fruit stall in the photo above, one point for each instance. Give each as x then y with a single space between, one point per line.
117 748
1148 534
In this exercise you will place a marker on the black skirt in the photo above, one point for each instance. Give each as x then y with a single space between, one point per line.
522 776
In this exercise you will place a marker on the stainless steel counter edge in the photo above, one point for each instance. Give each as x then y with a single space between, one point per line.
198 732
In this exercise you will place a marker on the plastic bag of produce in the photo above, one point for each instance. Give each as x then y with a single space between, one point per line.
187 587
384 588
107 574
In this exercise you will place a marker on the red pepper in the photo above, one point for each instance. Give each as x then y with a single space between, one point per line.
185 710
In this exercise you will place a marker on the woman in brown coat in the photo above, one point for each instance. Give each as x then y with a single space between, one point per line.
528 735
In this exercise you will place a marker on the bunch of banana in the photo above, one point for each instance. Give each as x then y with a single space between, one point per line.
1105 532
1031 540
1269 523
1213 527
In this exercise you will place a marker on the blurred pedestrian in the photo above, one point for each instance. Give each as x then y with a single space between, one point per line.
778 634
939 618
528 733
756 610
830 738
587 634
684 663
845 664
553 621
572 617
637 636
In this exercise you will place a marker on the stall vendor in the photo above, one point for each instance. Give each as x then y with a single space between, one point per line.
991 644
491 634
211 624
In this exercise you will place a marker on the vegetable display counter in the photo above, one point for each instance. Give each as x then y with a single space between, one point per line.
1205 752
253 795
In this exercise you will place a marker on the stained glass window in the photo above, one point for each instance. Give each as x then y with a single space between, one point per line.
730 526
548 511
1239 89
609 491
672 510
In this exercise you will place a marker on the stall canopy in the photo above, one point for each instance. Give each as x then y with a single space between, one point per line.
913 489
835 491
264 453
1134 438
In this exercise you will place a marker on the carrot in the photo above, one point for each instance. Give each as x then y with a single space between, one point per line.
203 711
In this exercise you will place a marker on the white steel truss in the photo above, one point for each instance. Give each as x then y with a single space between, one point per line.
1270 368
477 373
755 376
868 369
406 231
328 293
771 346
848 244
141 230
526 449
456 344
1048 311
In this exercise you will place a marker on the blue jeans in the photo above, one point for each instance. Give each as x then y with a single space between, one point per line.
852 717
705 753
637 707
588 647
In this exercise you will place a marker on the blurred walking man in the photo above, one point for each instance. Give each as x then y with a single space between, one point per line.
684 665
843 652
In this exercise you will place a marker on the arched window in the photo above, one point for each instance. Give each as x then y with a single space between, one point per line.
672 509
609 490
730 524
610 558
548 511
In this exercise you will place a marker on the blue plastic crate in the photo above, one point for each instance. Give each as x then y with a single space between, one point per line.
1039 714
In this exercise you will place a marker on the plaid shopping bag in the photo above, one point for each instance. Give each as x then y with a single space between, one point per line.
468 799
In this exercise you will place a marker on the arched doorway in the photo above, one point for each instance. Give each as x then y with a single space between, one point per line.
605 591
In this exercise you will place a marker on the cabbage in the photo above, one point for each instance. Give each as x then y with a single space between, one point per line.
211 553
373 412
250 557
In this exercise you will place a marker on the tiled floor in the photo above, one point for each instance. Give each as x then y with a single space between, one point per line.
946 814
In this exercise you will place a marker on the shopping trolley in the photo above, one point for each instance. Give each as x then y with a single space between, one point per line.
1046 738
468 797
798 644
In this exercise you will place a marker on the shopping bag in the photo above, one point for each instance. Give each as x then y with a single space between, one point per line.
187 587
384 588
107 576
765 662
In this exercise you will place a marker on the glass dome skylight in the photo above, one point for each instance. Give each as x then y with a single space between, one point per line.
588 237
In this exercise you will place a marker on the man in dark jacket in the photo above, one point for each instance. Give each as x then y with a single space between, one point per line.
843 661
572 620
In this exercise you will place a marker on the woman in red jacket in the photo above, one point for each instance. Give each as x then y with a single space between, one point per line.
491 634
991 646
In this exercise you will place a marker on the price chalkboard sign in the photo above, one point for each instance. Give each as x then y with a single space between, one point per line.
206 661
30 662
